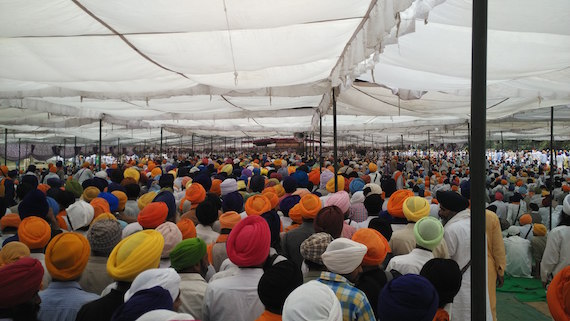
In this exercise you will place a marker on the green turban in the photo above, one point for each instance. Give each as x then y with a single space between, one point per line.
187 253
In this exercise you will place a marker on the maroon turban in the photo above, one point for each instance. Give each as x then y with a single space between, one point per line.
20 281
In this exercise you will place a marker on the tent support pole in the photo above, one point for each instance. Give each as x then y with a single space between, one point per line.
468 138
100 139
551 186
19 155
160 142
502 141
5 145
74 151
192 142
118 150
477 159
64 146
335 147
320 142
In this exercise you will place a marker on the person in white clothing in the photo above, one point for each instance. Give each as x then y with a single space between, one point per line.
517 249
557 253
207 214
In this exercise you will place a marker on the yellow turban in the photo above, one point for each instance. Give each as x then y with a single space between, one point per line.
539 230
145 199
415 208
135 254
280 191
90 193
330 184
13 251
132 173
228 168
67 255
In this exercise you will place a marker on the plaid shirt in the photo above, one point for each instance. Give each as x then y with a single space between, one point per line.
355 305
358 212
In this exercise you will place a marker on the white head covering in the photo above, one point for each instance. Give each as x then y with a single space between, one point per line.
566 205
343 255
101 174
513 230
357 197
228 185
165 315
312 301
79 214
167 278
131 228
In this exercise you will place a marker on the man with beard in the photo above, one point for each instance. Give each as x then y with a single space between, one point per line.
20 282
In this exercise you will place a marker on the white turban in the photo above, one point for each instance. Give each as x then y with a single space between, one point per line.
167 279
101 174
312 301
131 228
344 255
566 206
165 315
79 214
357 197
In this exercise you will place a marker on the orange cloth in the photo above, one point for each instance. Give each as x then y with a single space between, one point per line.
122 199
309 205
315 176
376 243
35 232
44 188
100 206
273 199
155 172
257 205
295 214
67 255
558 295
441 315
153 215
104 216
12 252
53 169
279 190
215 188
187 227
229 219
396 202
269 316
525 219
196 194
10 220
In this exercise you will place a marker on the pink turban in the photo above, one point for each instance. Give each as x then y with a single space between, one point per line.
248 242
341 199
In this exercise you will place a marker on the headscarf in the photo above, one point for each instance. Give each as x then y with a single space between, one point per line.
330 184
12 252
145 199
35 232
415 208
67 255
428 232
187 228
314 246
558 295
396 202
445 276
104 235
343 255
330 219
249 241
257 205
409 297
172 236
90 193
136 253
152 215
309 205
452 201
20 281
187 253
377 245
276 283
33 204
310 302
166 278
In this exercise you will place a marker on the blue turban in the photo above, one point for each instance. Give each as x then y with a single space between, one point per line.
30 179
142 302
111 199
100 183
466 189
409 297
34 204
302 178
54 182
256 171
232 202
53 205
522 190
288 202
168 198
204 180
356 185
289 184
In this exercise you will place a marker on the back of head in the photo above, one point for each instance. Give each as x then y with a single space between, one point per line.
277 282
67 255
330 219
445 276
409 297
310 302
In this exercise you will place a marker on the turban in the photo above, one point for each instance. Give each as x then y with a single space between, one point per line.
498 196
301 177
229 220
216 187
565 206
276 283
228 168
396 202
10 220
204 180
565 188
104 217
357 197
249 241
155 298
330 219
187 228
34 204
525 219
343 255
167 279
67 255
376 243
44 188
504 182
539 230
232 202
257 205
445 276
330 184
341 199
356 185
12 252
187 254
90 193
273 199
165 315
132 173
134 254
326 176
452 201
314 246
408 298
558 295
196 194
415 208
315 177
372 167
145 199
289 184
155 172
241 185
152 215
207 212
227 186
79 214
111 199
309 205
102 174
53 204
279 190
103 235
74 187
172 236
312 301
122 198
100 206
257 183
168 198
20 281
371 189
288 202
428 232
35 232
130 229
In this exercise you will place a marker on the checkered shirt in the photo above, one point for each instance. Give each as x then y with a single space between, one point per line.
355 305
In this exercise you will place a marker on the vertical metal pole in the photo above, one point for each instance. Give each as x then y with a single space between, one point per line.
477 160
74 152
160 142
551 186
19 149
429 156
100 140
211 144
64 146
335 147
320 142
502 142
192 142
402 141
118 150
5 145
468 138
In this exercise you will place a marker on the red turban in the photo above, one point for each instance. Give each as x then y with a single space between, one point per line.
396 202
187 227
375 242
153 215
249 241
20 281
558 295
257 205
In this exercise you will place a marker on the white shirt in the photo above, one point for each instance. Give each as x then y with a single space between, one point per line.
557 252
519 259
410 263
192 290
206 234
501 209
234 297
545 215
515 211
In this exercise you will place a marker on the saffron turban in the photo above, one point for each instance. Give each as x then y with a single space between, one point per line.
309 205
67 255
10 220
558 295
409 297
343 255
122 198
415 208
12 252
134 254
152 215
35 232
100 206
20 281
229 220
172 236
539 230
396 202
216 187
257 205
312 301
340 199
428 232
196 194
249 241
187 253
525 219
273 199
187 228
375 242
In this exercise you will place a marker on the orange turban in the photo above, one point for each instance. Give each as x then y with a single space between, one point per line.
10 220
295 214
375 242
12 252
273 199
215 188
122 199
100 206
67 255
196 194
315 176
53 169
372 167
309 205
525 219
396 202
558 295
35 232
155 172
279 190
153 215
187 227
229 219
44 188
539 230
145 199
90 193
330 184
257 205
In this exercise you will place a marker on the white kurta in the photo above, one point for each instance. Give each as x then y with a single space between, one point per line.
557 253
410 263
519 259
